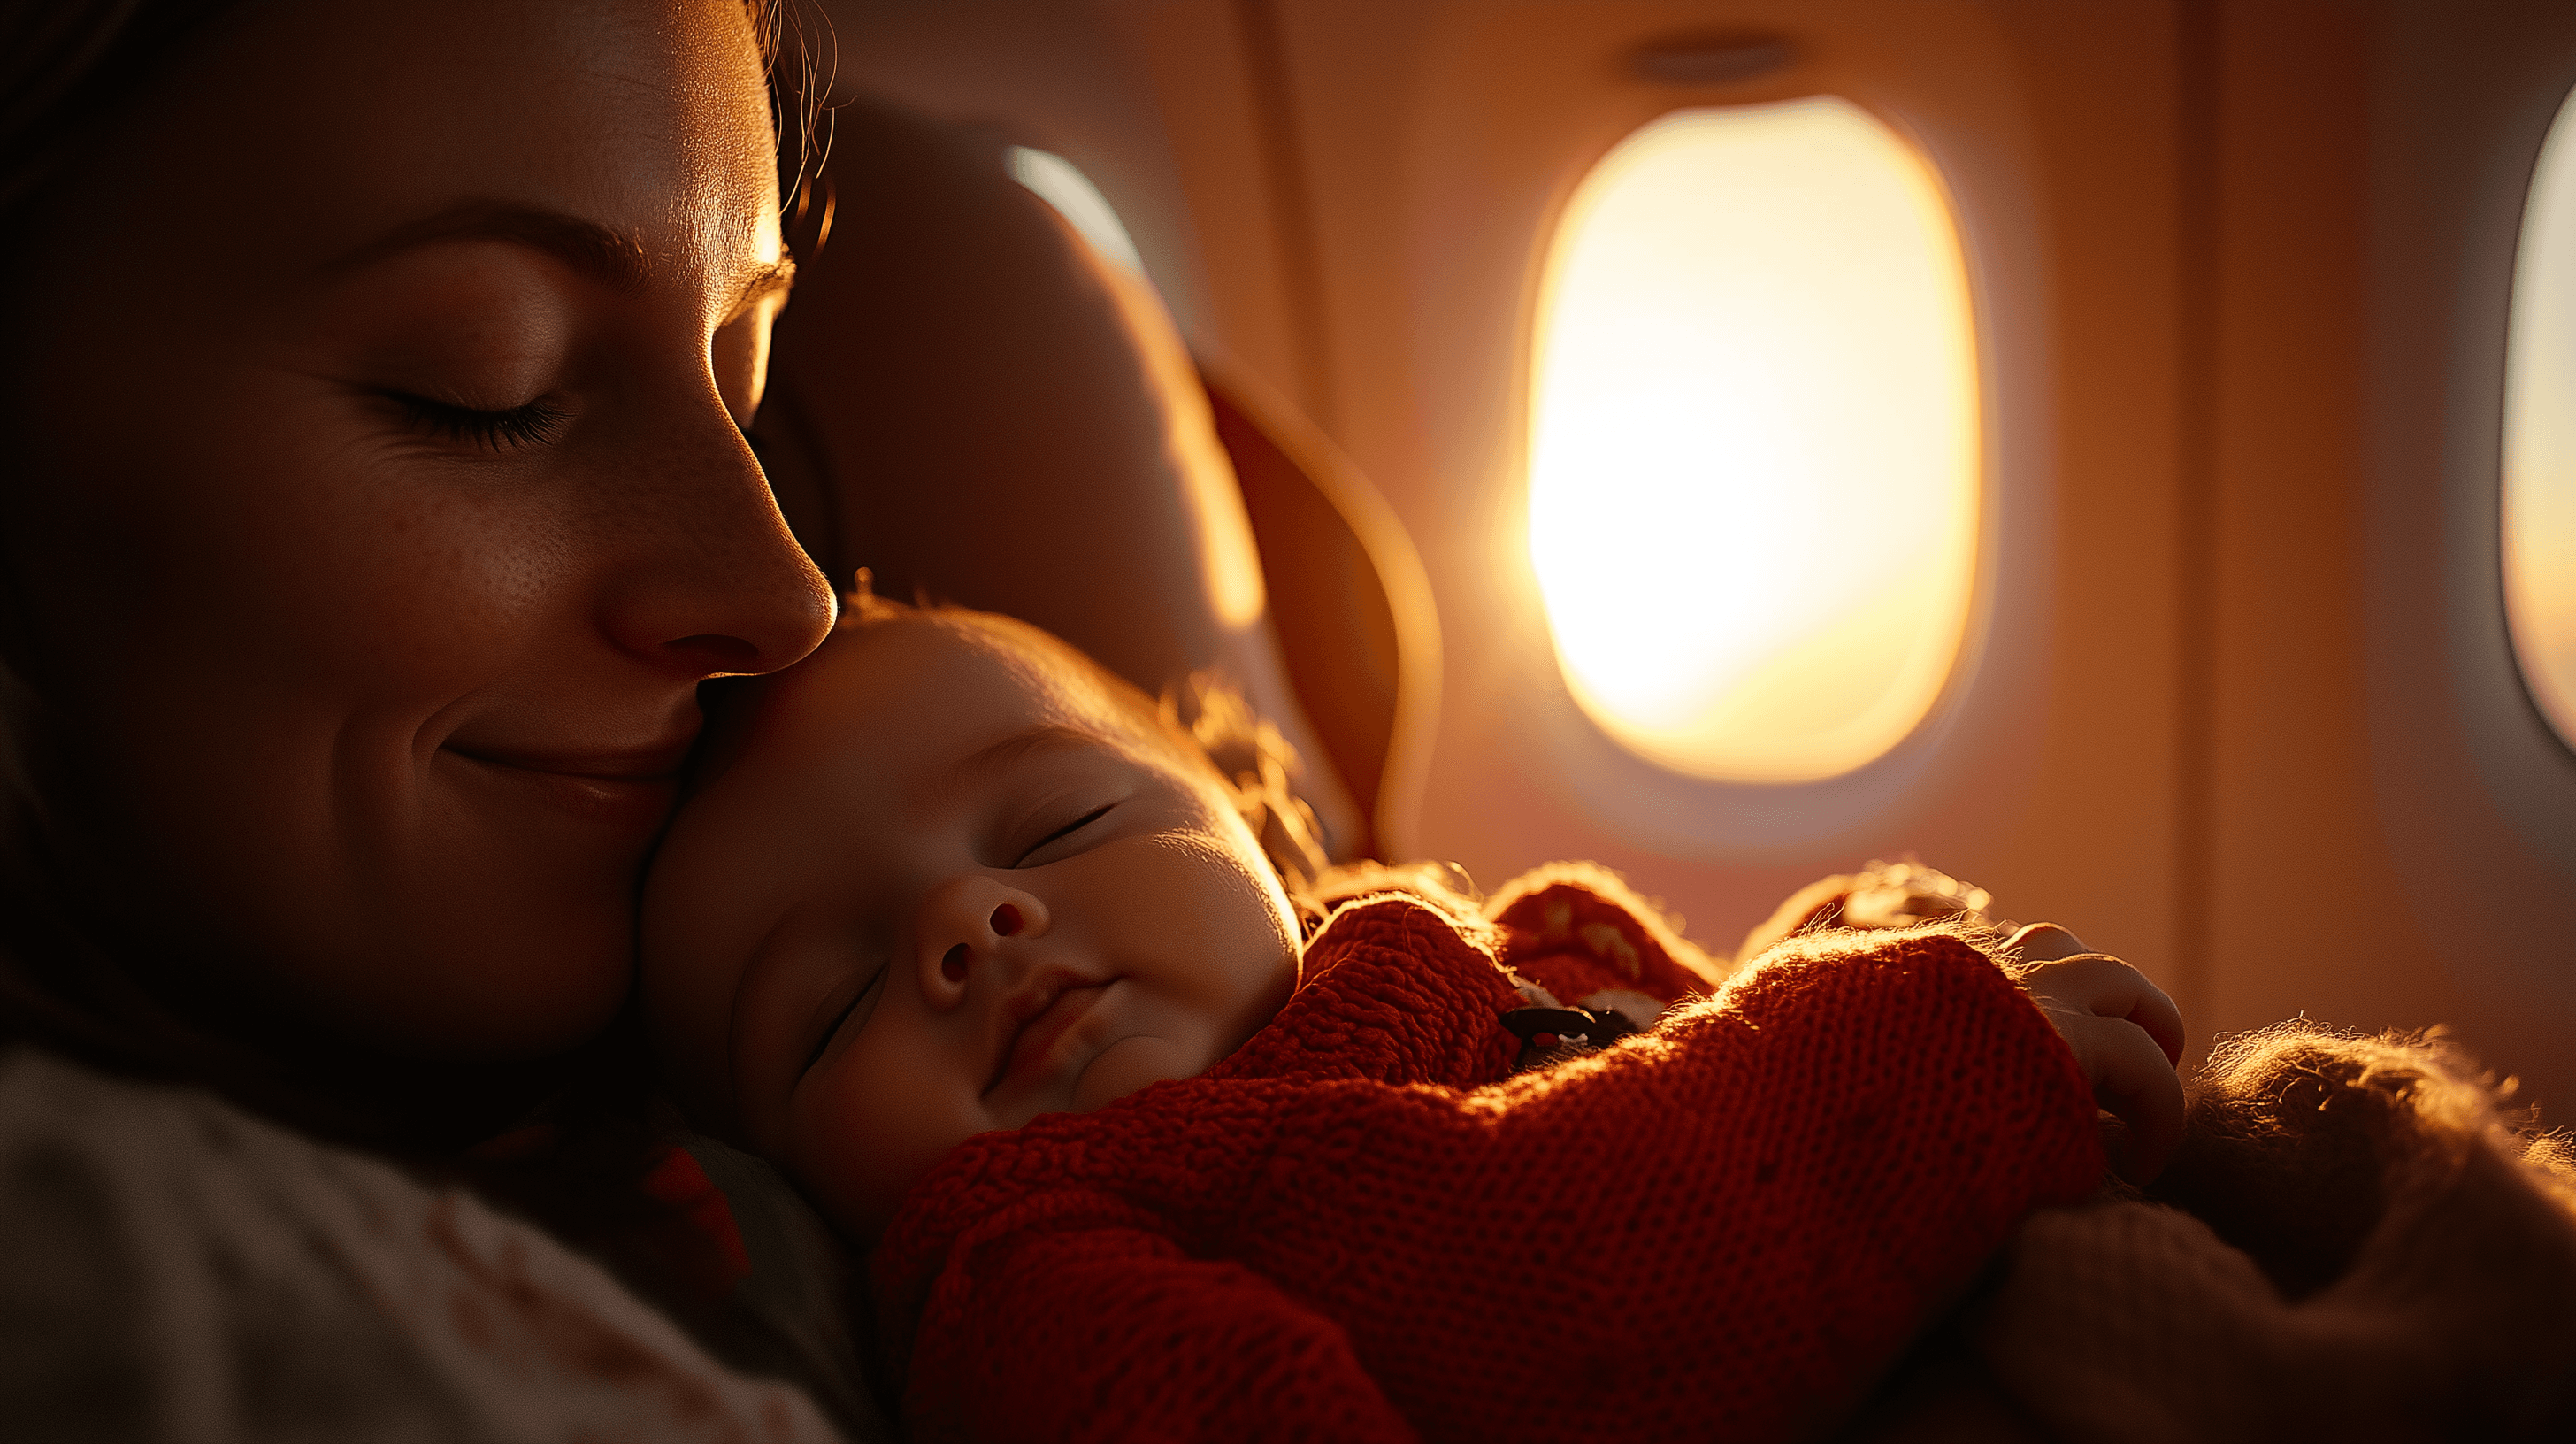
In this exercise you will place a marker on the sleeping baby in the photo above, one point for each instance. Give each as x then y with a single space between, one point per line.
972 940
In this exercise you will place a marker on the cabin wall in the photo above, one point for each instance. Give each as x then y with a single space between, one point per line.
2233 707
2475 796
2390 826
1437 165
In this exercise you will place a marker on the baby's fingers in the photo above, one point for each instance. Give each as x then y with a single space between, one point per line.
2045 942
2102 985
2135 1082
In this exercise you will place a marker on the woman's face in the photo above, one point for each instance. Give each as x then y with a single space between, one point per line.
378 501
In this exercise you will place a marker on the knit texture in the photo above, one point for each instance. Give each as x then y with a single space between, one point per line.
1359 1227
1577 931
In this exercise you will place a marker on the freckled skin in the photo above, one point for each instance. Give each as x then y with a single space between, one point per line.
362 713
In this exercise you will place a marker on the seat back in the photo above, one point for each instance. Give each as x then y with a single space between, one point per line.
1349 603
966 401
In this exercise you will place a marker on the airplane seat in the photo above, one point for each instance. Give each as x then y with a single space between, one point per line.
1348 599
968 402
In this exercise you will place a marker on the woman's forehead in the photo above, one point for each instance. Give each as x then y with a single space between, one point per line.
315 132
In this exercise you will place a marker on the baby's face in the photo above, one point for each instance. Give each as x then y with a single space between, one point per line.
947 885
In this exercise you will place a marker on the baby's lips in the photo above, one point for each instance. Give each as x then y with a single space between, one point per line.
1045 1033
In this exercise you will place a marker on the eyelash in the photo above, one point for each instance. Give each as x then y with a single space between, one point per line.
1068 830
531 425
824 1043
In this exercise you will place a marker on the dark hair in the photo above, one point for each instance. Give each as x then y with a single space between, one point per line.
65 65
803 61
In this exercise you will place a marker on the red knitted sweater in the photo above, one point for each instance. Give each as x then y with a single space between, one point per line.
1361 1227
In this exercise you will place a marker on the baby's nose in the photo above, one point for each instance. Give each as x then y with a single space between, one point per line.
1004 922
966 926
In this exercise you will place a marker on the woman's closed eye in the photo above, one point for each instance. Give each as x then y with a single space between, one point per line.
1033 854
533 424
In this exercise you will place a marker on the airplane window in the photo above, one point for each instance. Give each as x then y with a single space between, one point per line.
1061 185
1754 453
2540 435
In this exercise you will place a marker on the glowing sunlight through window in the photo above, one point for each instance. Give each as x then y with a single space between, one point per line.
1075 198
2540 435
1754 453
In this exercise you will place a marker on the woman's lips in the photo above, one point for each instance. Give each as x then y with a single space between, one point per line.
631 789
1032 1052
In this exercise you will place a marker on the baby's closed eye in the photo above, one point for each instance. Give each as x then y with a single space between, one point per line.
867 991
1030 856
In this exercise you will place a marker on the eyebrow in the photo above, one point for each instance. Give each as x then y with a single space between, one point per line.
612 258
1046 737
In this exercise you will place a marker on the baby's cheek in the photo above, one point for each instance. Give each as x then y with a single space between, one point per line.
860 1138
1131 1064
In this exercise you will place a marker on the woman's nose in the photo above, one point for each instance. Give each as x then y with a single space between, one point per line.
717 585
969 925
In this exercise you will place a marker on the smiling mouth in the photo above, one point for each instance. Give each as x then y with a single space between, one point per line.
659 762
631 789
1044 1018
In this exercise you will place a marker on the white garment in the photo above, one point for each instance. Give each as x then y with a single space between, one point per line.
174 1269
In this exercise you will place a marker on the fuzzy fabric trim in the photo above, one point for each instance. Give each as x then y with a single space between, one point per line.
2356 1243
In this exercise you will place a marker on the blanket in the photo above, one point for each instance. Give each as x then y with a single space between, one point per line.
1365 1225
2356 1243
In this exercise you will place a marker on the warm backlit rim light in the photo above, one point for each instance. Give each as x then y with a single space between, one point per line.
1755 466
2540 435
1061 184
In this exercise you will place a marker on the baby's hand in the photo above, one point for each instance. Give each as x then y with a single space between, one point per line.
2127 1036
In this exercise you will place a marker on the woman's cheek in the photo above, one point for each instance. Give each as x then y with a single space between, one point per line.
270 643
